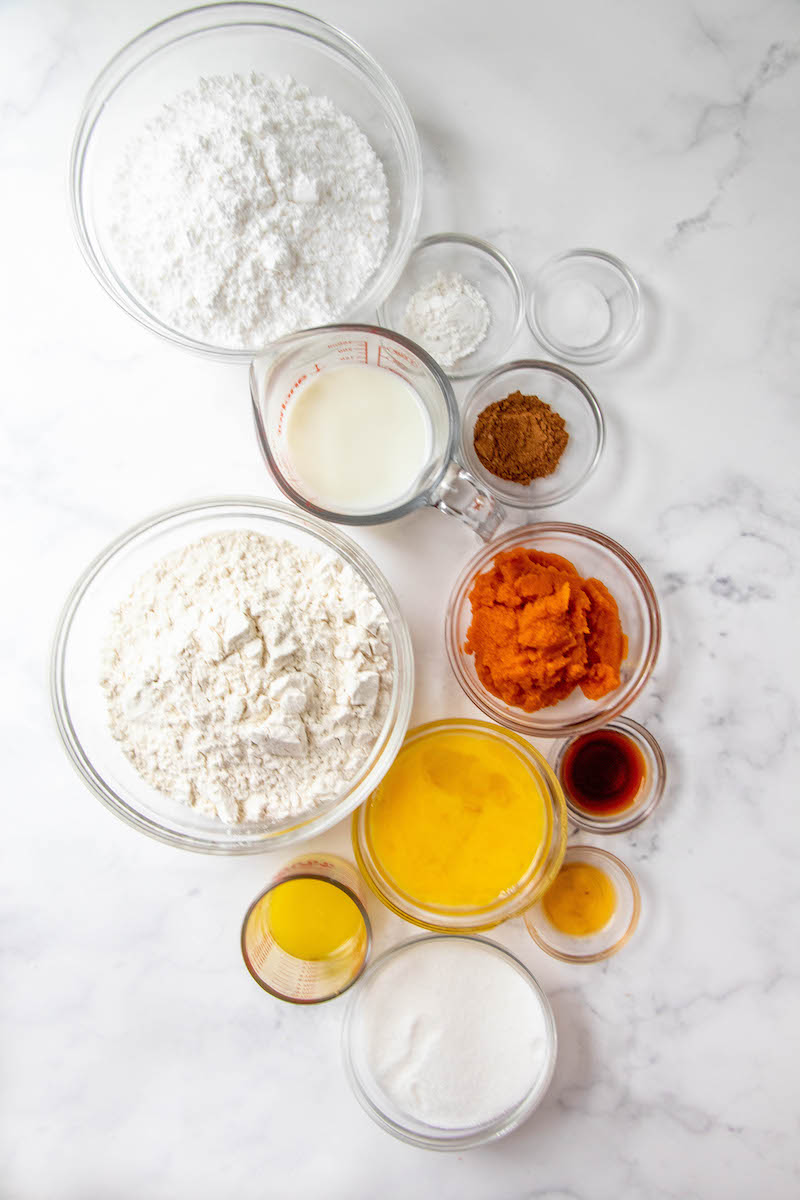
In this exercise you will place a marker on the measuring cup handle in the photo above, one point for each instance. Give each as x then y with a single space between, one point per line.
459 495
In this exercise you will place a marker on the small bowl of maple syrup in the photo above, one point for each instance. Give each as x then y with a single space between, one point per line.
612 777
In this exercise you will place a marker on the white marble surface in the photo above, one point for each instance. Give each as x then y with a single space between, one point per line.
138 1058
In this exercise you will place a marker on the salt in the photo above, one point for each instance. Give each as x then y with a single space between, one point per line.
577 314
452 1034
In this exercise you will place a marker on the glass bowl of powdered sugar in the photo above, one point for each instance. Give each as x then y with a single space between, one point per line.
232 676
460 299
242 171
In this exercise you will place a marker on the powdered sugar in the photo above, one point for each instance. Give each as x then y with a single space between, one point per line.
448 317
247 209
247 677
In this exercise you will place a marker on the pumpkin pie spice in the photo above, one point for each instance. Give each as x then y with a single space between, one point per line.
520 438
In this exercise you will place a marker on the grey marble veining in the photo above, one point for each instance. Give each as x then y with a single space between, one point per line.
138 1058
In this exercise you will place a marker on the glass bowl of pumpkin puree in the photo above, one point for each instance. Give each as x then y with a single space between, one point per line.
467 829
552 629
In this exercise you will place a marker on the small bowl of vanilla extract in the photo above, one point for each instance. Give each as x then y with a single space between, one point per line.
612 777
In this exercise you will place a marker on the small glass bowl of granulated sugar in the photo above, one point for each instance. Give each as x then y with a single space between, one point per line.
460 299
449 1042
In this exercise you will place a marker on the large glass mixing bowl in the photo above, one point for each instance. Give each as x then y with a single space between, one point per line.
237 38
79 703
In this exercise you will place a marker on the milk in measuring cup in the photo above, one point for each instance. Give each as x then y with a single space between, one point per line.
358 438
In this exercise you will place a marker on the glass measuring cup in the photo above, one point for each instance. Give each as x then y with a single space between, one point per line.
277 375
306 980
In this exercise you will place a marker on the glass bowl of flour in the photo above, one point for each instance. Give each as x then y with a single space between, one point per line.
232 676
241 171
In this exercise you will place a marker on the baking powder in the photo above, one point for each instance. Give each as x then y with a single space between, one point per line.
448 317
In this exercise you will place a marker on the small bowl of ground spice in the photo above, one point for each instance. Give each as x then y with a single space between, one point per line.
552 629
532 432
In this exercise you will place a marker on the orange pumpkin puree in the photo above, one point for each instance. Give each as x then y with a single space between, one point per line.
539 630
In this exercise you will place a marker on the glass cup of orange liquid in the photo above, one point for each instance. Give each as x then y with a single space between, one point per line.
307 937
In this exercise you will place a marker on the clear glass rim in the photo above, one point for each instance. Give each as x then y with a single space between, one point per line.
469 920
643 806
536 364
348 891
323 514
606 348
474 243
207 18
589 852
525 723
460 1140
292 830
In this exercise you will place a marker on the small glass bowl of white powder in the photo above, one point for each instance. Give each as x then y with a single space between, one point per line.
585 306
460 299
449 1042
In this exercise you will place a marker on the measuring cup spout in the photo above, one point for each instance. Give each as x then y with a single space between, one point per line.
459 495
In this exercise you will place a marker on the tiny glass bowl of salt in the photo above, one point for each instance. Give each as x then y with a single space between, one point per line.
240 171
460 299
449 1042
585 306
232 676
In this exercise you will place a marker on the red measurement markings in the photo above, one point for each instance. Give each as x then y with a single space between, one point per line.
260 953
302 864
396 355
350 351
285 403
394 360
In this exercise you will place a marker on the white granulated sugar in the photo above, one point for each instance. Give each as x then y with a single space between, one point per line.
448 317
249 208
452 1034
247 677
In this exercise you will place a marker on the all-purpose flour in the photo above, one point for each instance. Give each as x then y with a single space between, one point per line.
249 208
248 677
